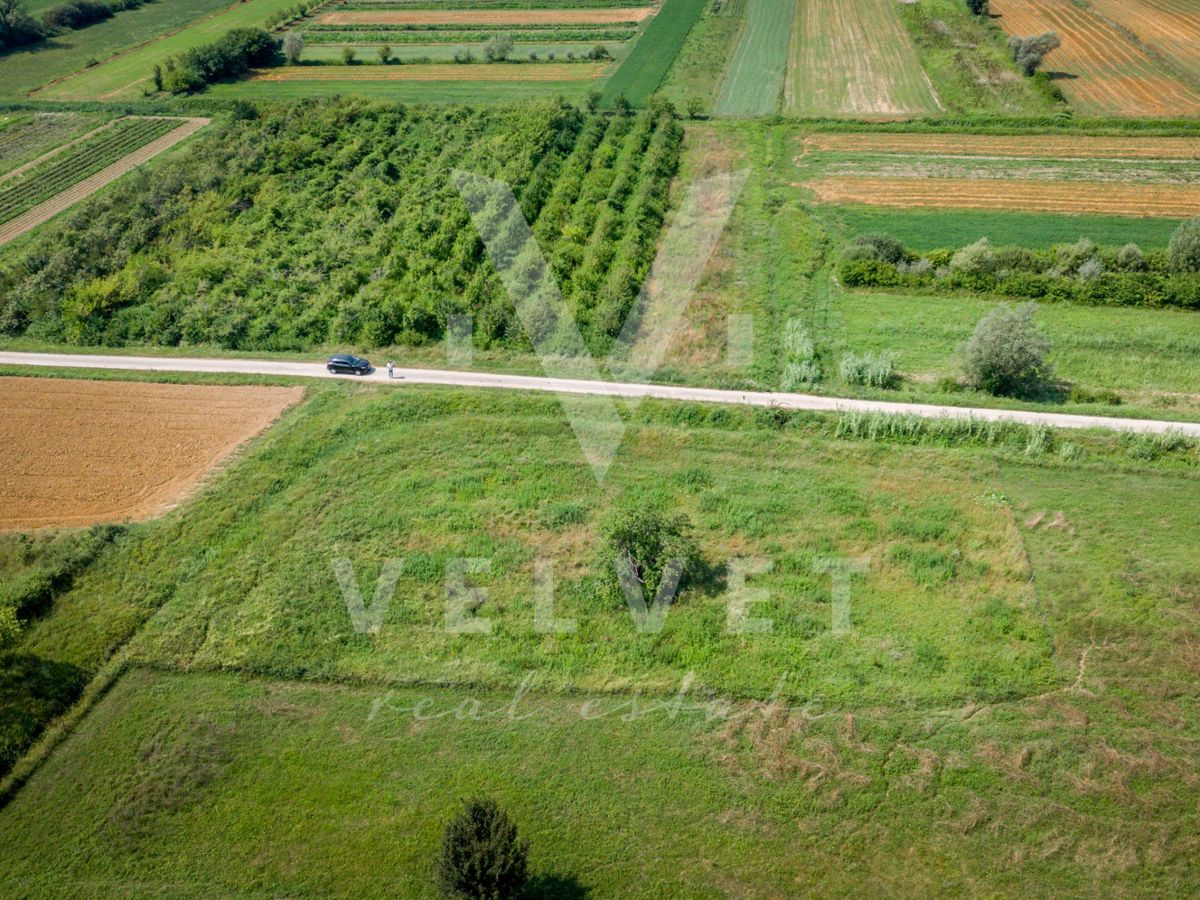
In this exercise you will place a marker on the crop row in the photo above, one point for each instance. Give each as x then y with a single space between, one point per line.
394 5
82 161
469 36
392 27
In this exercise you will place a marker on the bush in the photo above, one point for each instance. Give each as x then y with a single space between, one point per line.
76 14
385 53
1006 355
463 55
348 55
233 54
498 47
975 259
1029 52
804 373
877 370
10 627
1131 259
17 27
1183 252
978 7
482 855
882 247
650 542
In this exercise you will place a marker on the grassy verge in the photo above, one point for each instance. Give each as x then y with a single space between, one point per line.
27 70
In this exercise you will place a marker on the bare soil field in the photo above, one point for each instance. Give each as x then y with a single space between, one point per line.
1159 200
1048 146
1169 27
437 72
1100 69
489 17
79 452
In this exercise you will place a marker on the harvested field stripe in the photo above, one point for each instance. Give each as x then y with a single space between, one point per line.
854 57
498 72
1111 74
43 212
1033 146
1158 201
491 17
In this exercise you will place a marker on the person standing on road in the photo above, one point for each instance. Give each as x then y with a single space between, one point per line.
391 369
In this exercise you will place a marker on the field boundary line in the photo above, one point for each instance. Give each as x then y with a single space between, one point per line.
628 390
53 152
48 209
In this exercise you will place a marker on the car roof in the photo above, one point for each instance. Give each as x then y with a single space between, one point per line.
344 357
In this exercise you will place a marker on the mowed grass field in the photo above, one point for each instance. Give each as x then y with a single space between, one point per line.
854 58
1099 67
1073 696
25 71
754 80
126 75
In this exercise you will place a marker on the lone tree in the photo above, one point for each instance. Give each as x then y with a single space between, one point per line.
649 547
293 46
1029 52
498 47
482 855
1184 250
978 7
17 27
1006 355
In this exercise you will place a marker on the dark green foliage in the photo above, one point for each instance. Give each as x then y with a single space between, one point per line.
978 7
229 56
1184 249
32 692
336 222
76 14
650 544
880 247
482 855
17 27
1006 355
641 73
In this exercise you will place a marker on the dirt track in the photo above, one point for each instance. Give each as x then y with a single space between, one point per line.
489 17
78 452
43 212
1158 200
1047 146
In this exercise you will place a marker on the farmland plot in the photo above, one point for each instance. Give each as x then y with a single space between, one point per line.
1044 146
31 136
489 17
71 457
854 57
1100 69
1169 27
754 81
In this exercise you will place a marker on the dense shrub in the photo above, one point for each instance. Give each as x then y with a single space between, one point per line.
76 14
1184 249
1029 52
482 855
1006 355
498 48
17 27
231 55
882 247
336 222
649 544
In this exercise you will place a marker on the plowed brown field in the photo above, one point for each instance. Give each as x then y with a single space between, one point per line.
1048 146
79 452
489 16
1158 200
1105 72
437 72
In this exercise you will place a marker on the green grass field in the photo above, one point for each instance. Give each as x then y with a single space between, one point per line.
646 65
930 229
25 71
127 74
472 92
699 69
754 80
1124 349
1034 667
853 58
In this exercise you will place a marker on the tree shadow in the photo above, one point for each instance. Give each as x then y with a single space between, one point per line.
1061 76
556 887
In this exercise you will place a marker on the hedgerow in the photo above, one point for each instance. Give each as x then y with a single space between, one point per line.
336 222
1078 273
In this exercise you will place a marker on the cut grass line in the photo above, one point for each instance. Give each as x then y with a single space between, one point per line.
43 212
498 72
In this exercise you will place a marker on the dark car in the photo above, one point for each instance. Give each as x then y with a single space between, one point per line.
345 364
